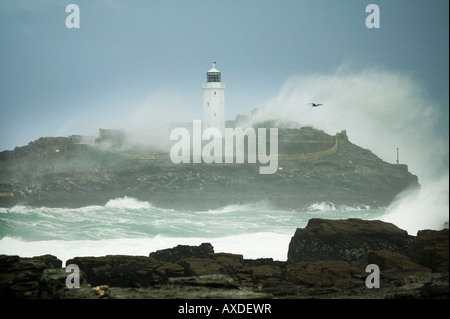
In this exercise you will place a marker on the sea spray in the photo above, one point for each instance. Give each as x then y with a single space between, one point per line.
424 208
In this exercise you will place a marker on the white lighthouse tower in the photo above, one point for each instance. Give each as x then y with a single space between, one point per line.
214 100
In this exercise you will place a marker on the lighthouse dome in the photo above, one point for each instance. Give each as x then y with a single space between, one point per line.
213 75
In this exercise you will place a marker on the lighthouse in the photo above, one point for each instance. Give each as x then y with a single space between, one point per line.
214 100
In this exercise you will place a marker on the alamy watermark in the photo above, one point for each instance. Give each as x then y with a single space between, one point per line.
225 148
373 280
73 280
373 19
73 19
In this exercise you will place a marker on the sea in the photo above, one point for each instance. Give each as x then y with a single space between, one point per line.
127 226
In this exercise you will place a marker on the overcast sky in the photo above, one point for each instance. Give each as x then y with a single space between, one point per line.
138 63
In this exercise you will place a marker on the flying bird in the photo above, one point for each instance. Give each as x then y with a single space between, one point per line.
314 104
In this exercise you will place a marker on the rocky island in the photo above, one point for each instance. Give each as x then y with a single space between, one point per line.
313 167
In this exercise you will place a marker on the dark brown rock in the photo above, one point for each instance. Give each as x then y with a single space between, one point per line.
19 277
420 285
390 260
430 249
218 263
179 252
336 273
198 287
52 285
264 272
126 271
348 240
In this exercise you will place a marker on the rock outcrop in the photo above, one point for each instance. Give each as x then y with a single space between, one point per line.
335 267
430 248
183 251
20 277
52 285
348 240
126 271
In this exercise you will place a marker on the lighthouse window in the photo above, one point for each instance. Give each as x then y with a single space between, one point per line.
214 92
213 77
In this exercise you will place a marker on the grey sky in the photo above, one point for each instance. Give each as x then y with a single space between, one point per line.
127 55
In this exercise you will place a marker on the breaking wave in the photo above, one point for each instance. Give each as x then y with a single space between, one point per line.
262 206
128 202
418 209
328 206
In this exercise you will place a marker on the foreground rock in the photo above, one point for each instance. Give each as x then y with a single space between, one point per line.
19 277
327 259
126 271
183 251
430 248
348 240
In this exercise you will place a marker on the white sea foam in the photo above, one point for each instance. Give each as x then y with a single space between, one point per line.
329 206
260 206
256 245
128 202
